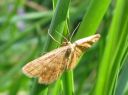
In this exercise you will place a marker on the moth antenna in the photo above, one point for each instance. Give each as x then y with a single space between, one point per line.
62 36
74 31
67 26
53 38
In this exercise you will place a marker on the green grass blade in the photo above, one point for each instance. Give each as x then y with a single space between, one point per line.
57 24
29 16
111 47
38 87
119 54
16 86
123 78
68 83
92 18
57 88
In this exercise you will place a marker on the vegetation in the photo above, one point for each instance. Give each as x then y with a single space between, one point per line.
102 70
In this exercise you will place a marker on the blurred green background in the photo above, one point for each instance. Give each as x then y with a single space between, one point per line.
24 25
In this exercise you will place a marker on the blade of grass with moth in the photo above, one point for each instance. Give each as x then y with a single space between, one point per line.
51 65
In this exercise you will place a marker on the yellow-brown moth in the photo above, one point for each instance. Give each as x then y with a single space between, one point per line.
50 66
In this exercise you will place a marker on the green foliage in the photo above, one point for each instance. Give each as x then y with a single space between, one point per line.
102 70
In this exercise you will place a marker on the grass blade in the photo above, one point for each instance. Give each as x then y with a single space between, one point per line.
57 24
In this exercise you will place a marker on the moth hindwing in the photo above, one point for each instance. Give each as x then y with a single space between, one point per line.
50 66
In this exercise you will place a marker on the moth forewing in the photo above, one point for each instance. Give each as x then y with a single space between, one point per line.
49 66
91 39
80 46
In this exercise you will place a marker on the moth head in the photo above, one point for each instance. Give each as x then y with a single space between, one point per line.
66 43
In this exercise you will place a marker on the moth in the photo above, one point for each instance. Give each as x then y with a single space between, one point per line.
49 67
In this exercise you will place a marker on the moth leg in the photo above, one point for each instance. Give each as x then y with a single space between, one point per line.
72 62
